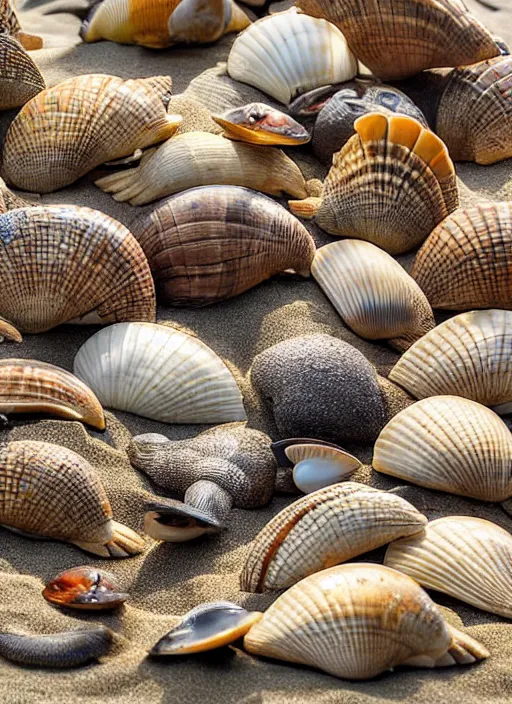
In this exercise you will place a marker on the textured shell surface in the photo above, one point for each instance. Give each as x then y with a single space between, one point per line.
67 649
20 79
158 372
466 262
451 444
9 24
64 263
69 129
288 53
9 200
212 243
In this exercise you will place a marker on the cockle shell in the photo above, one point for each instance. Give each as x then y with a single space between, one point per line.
373 294
49 491
69 129
158 372
450 444
62 263
9 24
202 159
20 79
466 262
391 184
288 53
67 649
85 588
396 40
212 243
257 123
357 621
322 529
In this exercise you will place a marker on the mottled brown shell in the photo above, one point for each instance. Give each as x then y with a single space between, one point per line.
20 79
8 199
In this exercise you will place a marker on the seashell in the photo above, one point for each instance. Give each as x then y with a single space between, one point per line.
9 332
158 372
399 40
20 79
200 22
69 129
212 243
203 159
29 386
450 444
357 621
257 123
63 264
465 262
468 355
287 53
85 588
373 294
391 184
224 467
9 24
48 491
9 200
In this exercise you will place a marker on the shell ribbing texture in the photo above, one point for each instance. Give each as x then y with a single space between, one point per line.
141 22
20 79
9 23
10 201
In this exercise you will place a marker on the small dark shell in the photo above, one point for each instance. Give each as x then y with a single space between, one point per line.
84 588
67 649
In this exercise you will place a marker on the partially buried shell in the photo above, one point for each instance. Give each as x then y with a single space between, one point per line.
257 123
372 293
80 123
202 159
212 243
85 588
20 79
158 372
9 24
67 649
450 444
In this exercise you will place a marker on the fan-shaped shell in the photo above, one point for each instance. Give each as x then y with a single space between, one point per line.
287 53
451 444
69 129
64 263
20 79
212 243
466 262
373 294
158 372
67 649
9 24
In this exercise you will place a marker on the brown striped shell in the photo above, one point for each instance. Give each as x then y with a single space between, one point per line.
20 79
8 199
80 123
64 263
466 262
9 24
212 243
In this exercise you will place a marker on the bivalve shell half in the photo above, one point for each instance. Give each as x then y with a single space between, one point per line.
317 465
85 588
257 123
20 79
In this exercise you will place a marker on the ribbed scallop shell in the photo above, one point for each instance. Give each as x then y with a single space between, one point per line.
466 262
158 372
202 159
71 128
287 53
465 557
399 39
20 79
212 243
61 263
450 444
373 294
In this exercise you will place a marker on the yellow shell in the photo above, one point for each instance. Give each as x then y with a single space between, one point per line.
20 79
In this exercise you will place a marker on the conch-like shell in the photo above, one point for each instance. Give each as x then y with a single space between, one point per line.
85 588
202 159
20 79
158 372
61 263
391 184
450 444
71 128
373 294
465 557
288 53
466 262
257 123
357 621
396 40
9 24
212 243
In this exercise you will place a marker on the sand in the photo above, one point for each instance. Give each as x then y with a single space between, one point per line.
167 580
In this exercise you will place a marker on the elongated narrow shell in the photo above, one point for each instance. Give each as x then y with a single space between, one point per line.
288 53
318 466
466 262
68 649
20 79
202 159
373 294
451 444
71 128
85 588
465 557
159 373
323 529
212 243
61 264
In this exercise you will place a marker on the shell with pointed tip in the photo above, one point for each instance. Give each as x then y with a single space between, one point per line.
288 53
450 444
466 262
67 649
318 466
158 372
85 588
9 24
258 123
69 129
20 79
373 294
9 200
62 263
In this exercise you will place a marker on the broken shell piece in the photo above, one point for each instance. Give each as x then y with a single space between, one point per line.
85 588
257 123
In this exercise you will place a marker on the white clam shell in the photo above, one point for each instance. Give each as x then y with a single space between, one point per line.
161 373
318 466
